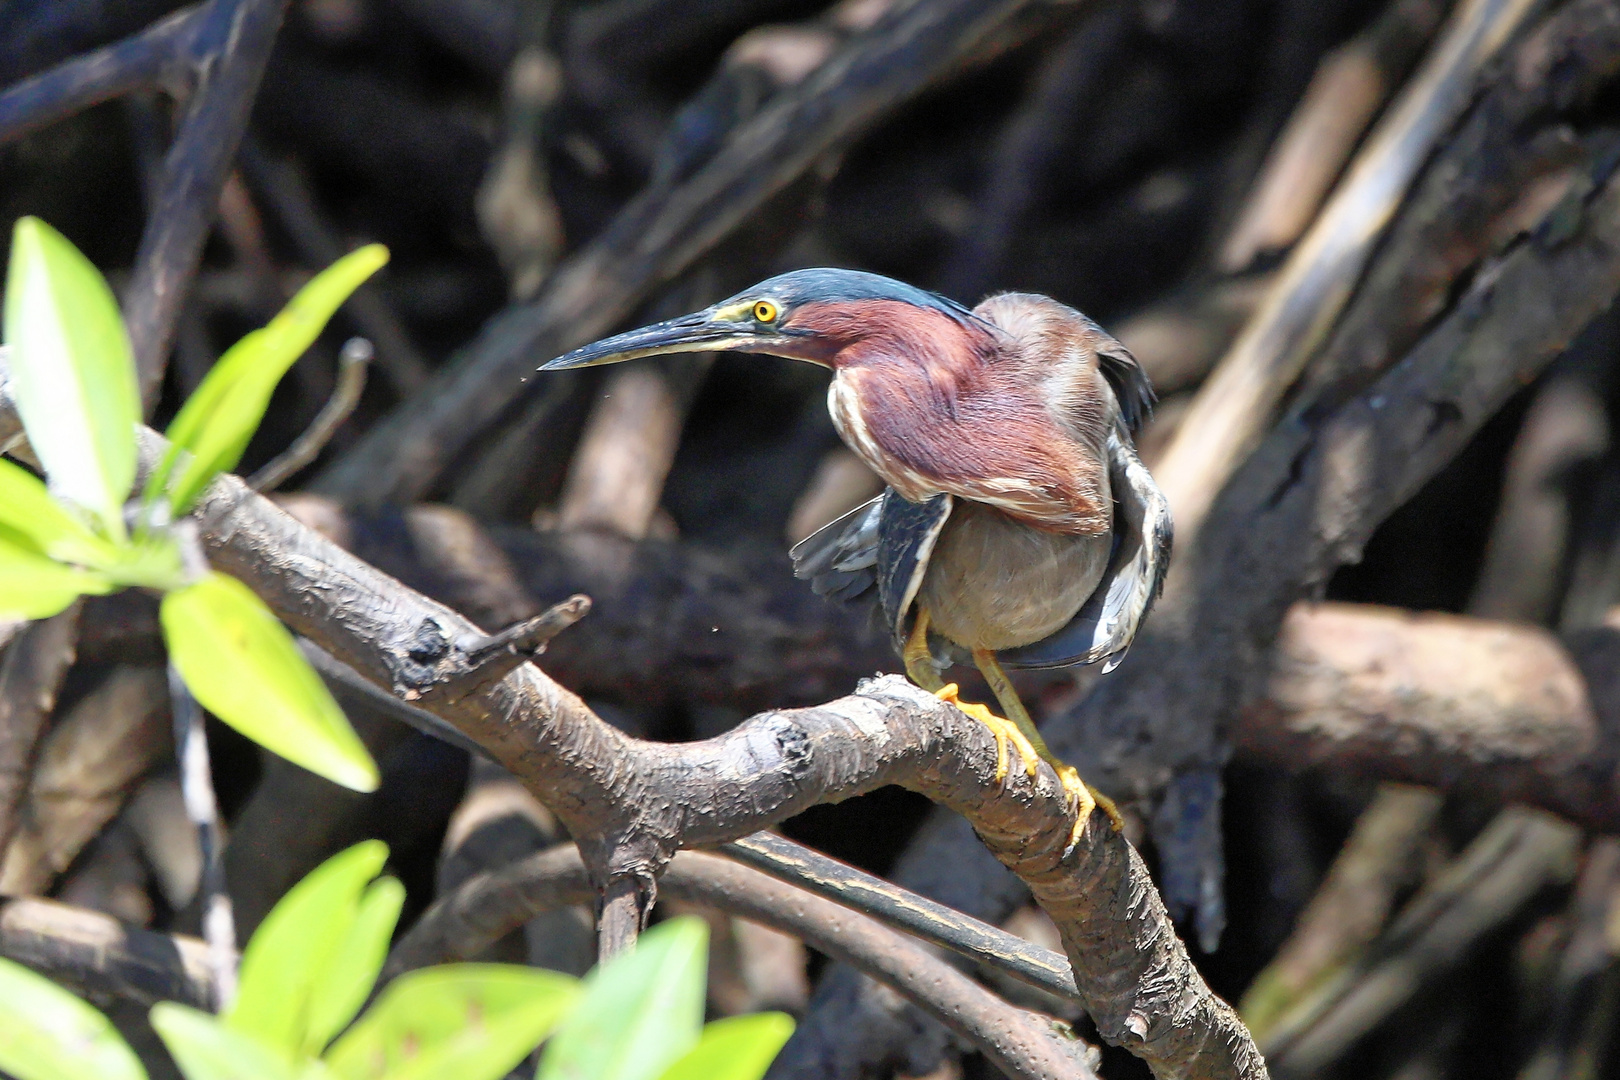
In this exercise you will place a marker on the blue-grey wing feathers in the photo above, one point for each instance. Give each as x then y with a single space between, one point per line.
840 558
907 532
1129 382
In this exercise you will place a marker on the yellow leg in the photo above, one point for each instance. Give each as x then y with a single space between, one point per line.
1082 796
919 664
920 668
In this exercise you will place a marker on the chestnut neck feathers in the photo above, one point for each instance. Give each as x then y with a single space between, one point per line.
1005 407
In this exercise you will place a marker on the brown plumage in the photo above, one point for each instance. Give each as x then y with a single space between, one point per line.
1018 519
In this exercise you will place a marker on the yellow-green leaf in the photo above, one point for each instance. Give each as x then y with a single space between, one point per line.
151 560
243 666
48 1034
469 1021
33 586
73 372
213 427
205 1049
285 966
352 970
641 1010
737 1048
28 509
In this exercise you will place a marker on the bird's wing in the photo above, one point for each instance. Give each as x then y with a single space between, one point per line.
840 558
1108 621
1129 382
907 532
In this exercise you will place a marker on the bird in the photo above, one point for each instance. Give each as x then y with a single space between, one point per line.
1018 528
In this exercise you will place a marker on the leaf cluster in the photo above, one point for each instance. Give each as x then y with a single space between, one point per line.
313 962
78 532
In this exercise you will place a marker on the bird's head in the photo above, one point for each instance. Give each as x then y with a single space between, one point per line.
814 315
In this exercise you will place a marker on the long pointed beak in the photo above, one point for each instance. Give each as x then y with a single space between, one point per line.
699 332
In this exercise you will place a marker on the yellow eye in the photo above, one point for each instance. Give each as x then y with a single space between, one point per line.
765 311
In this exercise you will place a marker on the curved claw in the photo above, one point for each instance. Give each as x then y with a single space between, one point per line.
1005 732
948 694
1083 799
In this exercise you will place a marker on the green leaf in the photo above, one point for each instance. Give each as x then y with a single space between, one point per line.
73 372
214 426
33 586
151 561
738 1048
243 666
206 1049
32 520
285 966
28 509
48 1034
641 1011
355 964
469 1021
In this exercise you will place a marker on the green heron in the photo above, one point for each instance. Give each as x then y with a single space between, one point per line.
1018 529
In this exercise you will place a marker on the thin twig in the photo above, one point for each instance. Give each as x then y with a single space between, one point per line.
491 657
197 785
351 383
530 636
905 911
164 54
490 905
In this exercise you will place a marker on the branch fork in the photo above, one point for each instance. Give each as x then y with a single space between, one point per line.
631 805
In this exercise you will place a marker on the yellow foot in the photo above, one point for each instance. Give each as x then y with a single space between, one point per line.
1005 732
1083 799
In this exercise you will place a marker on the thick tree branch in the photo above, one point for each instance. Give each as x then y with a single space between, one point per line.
164 54
1229 414
670 622
233 39
1466 704
98 953
631 805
